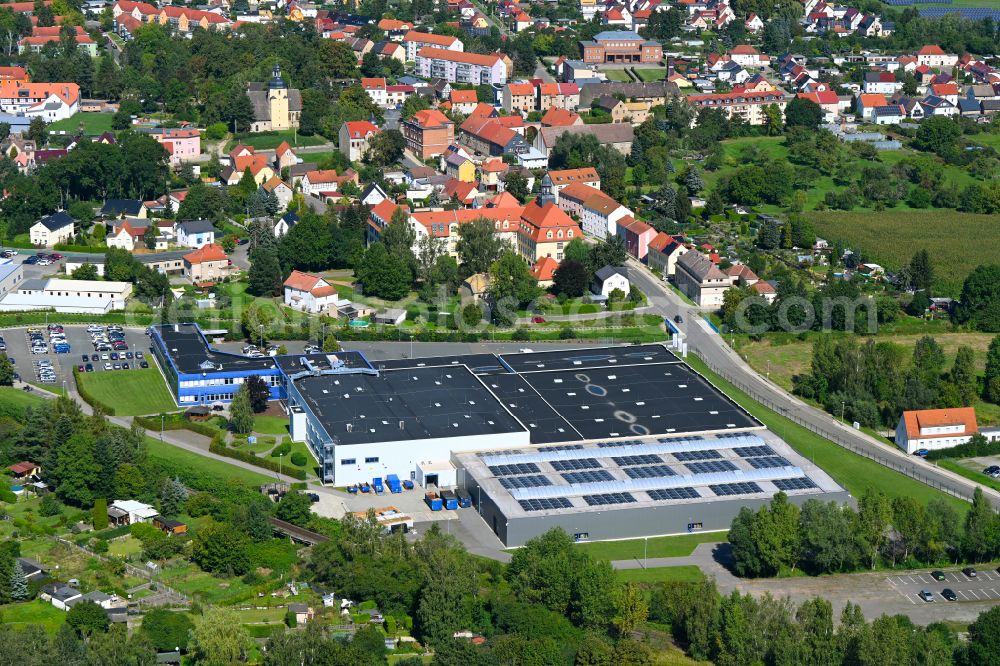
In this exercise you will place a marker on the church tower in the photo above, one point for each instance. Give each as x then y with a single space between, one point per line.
277 101
545 192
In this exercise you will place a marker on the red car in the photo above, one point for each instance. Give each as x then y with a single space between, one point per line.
538 320
55 256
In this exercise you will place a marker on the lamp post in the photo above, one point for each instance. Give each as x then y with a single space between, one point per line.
260 327
162 417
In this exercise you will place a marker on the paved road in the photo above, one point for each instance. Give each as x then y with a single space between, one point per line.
710 346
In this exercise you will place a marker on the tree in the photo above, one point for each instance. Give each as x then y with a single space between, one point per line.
149 237
516 184
18 582
963 376
984 638
37 131
921 271
259 393
429 250
295 508
383 274
218 638
800 112
570 278
631 608
88 618
219 548
252 520
75 472
577 250
980 539
386 148
100 514
264 277
129 481
6 371
991 380
85 271
937 134
511 286
693 180
241 418
479 245
166 629
307 246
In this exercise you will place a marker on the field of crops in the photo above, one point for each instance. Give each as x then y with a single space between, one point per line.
958 242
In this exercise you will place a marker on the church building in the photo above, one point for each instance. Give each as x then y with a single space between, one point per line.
276 107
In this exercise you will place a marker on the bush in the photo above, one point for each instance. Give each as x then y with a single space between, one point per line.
299 459
290 620
221 449
282 449
566 333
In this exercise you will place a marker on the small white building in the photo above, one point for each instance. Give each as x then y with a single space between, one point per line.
609 278
935 428
309 293
195 233
51 229
135 512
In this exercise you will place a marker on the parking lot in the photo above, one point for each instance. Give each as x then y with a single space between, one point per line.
27 364
984 587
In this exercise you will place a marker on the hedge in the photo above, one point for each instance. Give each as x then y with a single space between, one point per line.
221 449
176 422
976 447
85 249
89 399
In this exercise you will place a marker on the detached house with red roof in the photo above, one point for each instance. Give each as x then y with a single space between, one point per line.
354 138
48 101
935 428
544 231
309 293
207 264
933 55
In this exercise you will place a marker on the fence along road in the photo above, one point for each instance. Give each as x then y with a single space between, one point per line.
710 346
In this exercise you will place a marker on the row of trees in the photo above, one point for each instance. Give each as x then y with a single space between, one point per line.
827 537
874 382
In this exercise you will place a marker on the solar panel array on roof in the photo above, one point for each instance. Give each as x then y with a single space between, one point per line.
632 448
529 481
561 447
801 483
514 469
754 451
768 461
667 494
545 503
630 442
609 498
588 476
575 463
727 489
645 459
711 466
650 472
686 456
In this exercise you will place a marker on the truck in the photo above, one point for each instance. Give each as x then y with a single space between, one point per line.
433 501
394 485
464 498
450 499
377 486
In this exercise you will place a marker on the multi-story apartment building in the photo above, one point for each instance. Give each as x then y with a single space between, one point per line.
428 133
460 67
620 46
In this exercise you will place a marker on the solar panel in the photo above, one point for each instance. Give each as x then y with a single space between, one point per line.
765 462
609 498
512 470
530 481
736 489
708 454
650 472
711 466
561 447
754 451
801 483
646 459
545 504
575 463
588 476
668 494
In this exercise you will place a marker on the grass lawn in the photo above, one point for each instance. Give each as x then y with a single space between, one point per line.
271 425
632 549
617 75
683 574
15 400
33 612
854 472
125 547
656 74
273 140
892 237
970 469
191 580
174 457
93 123
131 393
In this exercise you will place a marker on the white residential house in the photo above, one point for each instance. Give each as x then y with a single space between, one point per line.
52 229
701 280
309 293
935 428
195 233
135 512
354 138
609 278
285 224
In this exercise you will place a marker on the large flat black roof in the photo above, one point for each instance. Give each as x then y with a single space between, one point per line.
192 354
599 357
523 401
292 363
407 404
478 363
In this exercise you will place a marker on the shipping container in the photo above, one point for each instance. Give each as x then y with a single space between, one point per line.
433 501
450 499
393 482
377 486
464 498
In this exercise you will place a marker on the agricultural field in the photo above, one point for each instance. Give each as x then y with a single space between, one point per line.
892 237
782 356
131 392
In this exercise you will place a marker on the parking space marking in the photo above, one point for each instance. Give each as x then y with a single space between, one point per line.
962 594
974 595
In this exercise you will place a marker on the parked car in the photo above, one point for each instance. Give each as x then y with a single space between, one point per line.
107 366
143 364
927 595
124 366
85 358
969 571
938 575
921 452
949 594
538 320
81 368
89 367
